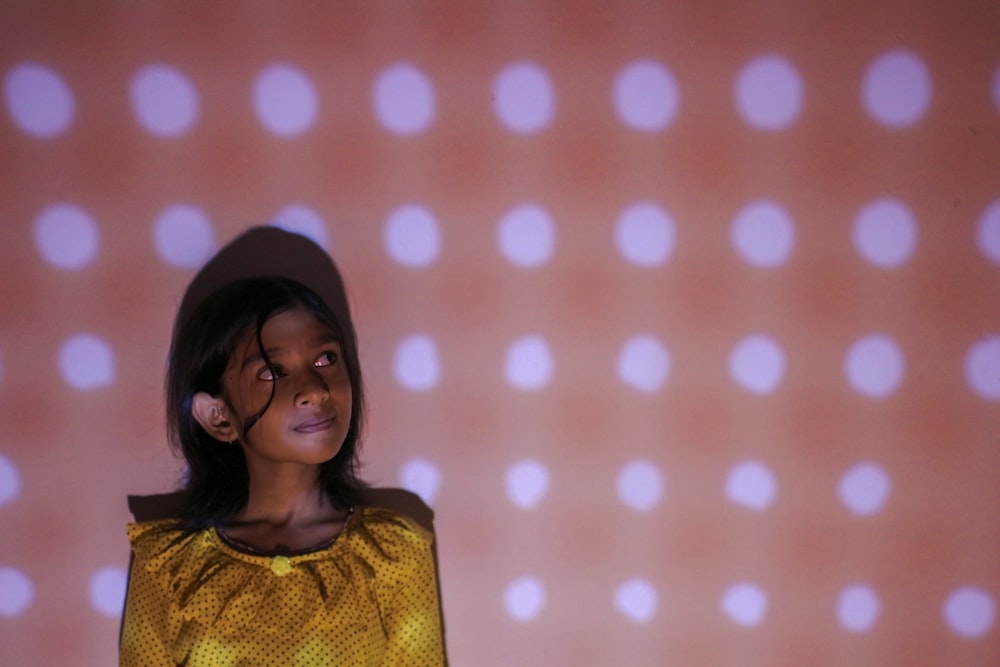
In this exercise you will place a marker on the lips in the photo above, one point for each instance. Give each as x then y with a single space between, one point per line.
315 425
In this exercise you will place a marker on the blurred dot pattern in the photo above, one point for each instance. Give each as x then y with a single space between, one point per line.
684 321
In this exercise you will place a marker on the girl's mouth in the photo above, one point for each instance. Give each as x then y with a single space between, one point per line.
315 425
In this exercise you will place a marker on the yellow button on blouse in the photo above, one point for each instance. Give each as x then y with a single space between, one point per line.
280 565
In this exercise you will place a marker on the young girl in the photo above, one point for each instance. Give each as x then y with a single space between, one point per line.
273 560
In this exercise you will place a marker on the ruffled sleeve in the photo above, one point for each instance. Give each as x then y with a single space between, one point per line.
147 628
400 552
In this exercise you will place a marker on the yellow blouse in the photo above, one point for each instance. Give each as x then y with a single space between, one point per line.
369 598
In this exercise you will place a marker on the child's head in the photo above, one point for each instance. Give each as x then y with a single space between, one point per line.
204 343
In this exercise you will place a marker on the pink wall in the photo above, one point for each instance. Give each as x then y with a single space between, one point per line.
684 317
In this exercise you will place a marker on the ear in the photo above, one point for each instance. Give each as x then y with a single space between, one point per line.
213 415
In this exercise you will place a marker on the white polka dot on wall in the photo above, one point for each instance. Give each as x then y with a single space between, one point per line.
38 100
529 364
858 608
874 366
982 368
637 600
864 489
763 234
640 485
412 237
404 99
757 363
86 362
285 100
107 591
752 485
523 98
646 97
524 598
969 612
16 591
417 365
164 101
885 233
527 236
988 232
10 481
421 477
769 93
526 483
645 234
184 236
66 236
302 220
745 604
897 89
644 363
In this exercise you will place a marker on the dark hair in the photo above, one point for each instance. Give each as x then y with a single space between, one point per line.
217 484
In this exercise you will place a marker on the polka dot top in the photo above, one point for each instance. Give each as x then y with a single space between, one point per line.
368 598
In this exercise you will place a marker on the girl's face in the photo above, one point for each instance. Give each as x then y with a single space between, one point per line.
310 413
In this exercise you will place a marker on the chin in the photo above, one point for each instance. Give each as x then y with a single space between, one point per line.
328 455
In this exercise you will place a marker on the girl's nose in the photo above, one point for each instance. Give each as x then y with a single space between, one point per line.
313 390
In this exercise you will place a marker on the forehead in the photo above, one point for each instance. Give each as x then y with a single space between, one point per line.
283 331
296 322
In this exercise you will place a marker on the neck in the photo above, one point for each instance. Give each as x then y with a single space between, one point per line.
285 496
286 512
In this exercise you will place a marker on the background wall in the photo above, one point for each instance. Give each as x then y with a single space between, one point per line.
682 316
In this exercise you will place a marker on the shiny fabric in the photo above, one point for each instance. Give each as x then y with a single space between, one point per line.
370 598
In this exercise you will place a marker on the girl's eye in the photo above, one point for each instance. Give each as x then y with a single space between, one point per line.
269 373
327 359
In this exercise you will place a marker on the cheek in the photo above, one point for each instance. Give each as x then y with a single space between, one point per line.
243 396
346 397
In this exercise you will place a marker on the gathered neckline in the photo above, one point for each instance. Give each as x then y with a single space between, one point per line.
250 550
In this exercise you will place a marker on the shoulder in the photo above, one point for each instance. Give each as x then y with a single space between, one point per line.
391 525
396 552
388 536
145 530
161 538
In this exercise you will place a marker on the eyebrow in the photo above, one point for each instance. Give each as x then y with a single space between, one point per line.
319 341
